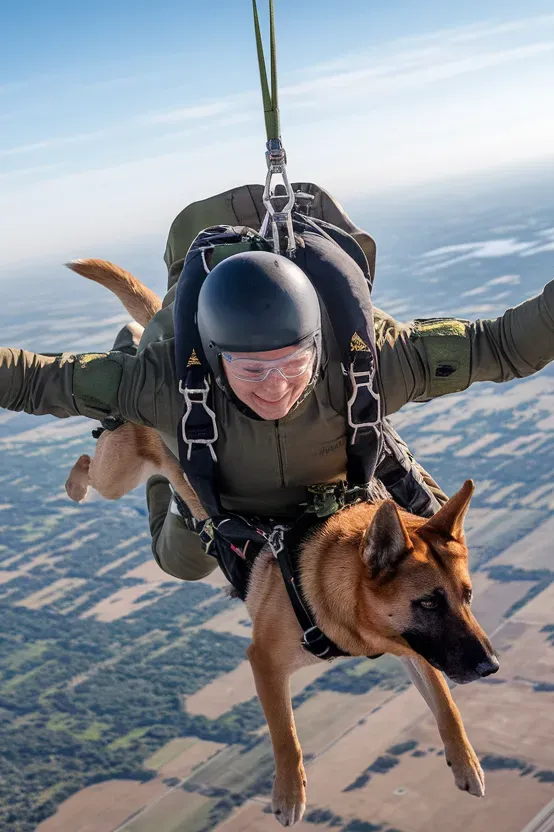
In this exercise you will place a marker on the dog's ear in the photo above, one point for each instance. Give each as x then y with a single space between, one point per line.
449 520
386 542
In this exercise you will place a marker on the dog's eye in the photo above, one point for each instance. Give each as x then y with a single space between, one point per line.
428 603
468 596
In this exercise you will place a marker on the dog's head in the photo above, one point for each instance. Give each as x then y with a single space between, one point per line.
417 579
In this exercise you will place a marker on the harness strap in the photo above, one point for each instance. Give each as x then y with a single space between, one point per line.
197 437
363 414
313 640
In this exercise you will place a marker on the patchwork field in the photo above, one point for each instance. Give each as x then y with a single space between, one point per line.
540 609
238 686
373 758
103 807
532 551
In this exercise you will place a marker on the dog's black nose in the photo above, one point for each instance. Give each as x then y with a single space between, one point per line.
487 667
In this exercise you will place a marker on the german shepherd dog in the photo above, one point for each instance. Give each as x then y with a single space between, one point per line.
378 580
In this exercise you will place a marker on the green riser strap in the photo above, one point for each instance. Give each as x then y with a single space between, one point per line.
270 99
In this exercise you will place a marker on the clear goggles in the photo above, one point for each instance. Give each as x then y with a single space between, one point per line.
256 369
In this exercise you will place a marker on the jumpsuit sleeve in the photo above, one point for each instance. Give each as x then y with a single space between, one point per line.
429 358
139 389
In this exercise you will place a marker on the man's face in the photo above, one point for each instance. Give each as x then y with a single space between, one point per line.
290 372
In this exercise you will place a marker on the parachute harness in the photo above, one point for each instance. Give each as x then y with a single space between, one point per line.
277 224
343 282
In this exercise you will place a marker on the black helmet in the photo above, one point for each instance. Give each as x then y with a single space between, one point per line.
256 302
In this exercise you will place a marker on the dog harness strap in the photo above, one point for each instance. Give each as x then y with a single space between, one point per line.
313 640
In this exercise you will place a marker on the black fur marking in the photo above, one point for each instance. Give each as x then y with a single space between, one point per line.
445 641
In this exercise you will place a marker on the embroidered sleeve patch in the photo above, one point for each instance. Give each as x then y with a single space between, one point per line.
447 350
96 379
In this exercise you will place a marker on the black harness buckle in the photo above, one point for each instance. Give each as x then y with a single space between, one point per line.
317 643
276 540
109 423
324 500
328 498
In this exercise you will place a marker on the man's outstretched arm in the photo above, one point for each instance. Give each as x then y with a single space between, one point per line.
429 358
139 389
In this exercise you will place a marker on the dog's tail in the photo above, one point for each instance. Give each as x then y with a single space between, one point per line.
139 301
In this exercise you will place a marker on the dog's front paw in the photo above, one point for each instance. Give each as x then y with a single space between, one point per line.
467 771
289 797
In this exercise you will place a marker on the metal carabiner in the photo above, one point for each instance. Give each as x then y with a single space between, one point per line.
277 224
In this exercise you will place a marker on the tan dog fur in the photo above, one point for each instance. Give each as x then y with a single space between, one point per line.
364 617
364 572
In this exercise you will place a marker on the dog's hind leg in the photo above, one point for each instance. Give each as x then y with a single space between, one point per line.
77 484
460 755
114 470
119 464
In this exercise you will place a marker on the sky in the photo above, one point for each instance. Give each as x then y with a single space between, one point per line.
115 115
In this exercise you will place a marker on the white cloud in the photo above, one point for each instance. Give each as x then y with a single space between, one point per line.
379 73
473 251
203 114
201 111
405 74
58 141
99 207
489 248
479 31
505 279
540 249
479 290
33 171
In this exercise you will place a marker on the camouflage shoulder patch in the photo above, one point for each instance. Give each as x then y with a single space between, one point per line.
446 348
193 360
96 379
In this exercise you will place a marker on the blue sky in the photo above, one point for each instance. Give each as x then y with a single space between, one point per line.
114 115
